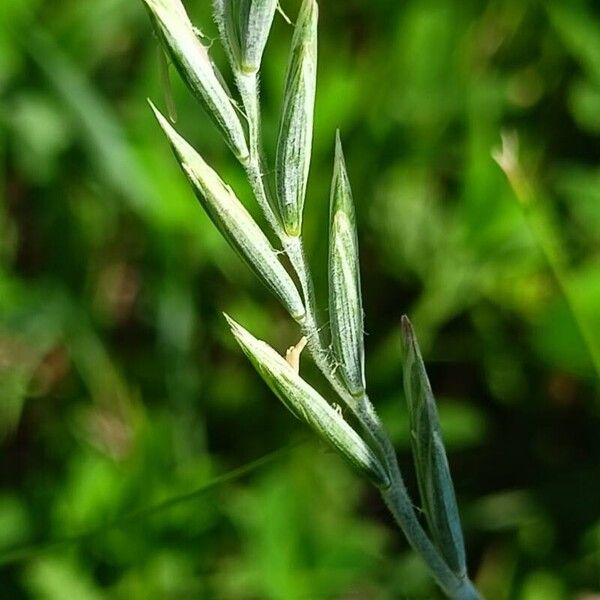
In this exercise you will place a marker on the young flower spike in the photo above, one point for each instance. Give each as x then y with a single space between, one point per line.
296 127
191 58
309 406
234 222
244 26
431 463
345 301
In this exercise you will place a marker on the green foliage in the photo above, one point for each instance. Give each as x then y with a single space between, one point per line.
123 387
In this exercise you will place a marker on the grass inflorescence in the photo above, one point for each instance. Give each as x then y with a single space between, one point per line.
244 27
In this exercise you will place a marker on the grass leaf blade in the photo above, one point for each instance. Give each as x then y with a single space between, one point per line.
27 552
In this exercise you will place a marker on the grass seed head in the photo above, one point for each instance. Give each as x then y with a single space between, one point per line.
193 62
308 405
431 464
296 126
234 221
345 299
258 25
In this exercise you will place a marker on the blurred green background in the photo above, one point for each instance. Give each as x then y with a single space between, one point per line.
120 386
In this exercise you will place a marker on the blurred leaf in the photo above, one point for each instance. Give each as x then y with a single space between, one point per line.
100 131
56 579
24 552
15 527
543 585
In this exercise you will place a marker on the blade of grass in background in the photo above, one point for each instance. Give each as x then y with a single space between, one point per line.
29 551
548 238
100 129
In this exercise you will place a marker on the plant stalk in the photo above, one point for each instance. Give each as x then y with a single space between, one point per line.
399 504
247 84
294 249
